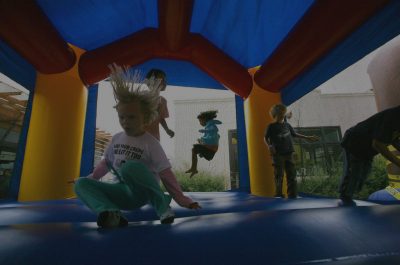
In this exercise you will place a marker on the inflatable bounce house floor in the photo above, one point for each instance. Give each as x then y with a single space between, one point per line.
232 228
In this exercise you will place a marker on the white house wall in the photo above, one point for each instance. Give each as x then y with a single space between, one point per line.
344 110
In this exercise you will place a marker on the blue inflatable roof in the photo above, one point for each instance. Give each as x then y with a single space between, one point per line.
250 32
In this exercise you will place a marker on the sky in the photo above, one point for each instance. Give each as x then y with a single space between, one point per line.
7 84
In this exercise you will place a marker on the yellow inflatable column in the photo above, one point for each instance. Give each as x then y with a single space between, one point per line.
257 117
55 136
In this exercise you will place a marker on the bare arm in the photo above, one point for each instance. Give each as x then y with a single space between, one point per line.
384 151
172 186
311 138
271 148
164 124
100 170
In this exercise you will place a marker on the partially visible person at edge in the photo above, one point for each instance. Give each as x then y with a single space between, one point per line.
361 143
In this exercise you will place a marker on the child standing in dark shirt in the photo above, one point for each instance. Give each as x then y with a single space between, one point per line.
278 138
361 143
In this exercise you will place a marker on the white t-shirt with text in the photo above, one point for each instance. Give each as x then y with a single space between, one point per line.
144 148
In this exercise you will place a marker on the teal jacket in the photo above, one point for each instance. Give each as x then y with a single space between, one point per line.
211 136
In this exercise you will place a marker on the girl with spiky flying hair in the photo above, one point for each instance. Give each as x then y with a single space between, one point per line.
134 157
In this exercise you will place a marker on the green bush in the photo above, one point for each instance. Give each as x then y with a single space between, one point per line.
377 180
5 178
329 185
200 182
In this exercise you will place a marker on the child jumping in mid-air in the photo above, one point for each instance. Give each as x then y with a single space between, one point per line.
208 144
278 138
135 158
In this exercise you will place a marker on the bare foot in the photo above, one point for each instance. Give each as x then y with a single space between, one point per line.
194 172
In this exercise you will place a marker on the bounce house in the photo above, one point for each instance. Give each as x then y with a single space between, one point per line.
263 51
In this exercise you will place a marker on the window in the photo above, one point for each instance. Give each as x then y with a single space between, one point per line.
318 158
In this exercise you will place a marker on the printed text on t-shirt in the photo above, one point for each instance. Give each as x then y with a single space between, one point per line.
130 152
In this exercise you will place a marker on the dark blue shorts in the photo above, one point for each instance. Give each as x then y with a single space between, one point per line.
203 151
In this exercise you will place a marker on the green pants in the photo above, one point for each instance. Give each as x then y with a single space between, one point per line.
138 187
285 163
